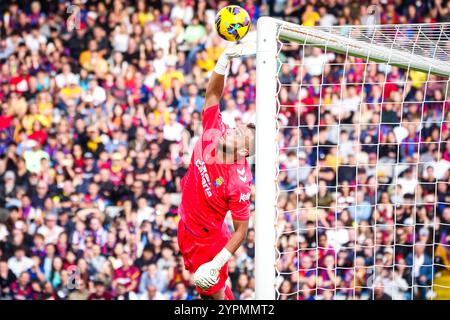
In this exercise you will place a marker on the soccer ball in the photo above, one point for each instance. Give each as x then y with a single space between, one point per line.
232 23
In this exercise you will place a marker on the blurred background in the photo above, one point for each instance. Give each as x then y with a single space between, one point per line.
100 106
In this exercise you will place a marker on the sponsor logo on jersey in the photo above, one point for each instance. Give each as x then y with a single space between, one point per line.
206 183
244 197
218 182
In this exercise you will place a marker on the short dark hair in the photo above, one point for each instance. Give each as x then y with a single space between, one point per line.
251 150
19 248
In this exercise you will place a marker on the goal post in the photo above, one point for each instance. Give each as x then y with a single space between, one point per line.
265 158
420 47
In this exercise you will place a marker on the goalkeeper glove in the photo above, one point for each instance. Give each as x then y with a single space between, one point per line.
238 50
207 275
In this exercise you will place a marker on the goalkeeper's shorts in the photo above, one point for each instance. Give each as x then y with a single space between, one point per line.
197 250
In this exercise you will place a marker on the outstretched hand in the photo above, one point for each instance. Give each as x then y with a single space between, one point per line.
241 50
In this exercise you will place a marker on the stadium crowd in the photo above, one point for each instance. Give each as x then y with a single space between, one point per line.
98 116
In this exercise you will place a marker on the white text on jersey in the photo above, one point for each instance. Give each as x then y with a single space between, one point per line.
244 197
206 184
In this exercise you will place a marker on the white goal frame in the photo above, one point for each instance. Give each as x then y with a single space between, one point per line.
269 30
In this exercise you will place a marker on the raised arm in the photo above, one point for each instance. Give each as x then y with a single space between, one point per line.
214 90
215 86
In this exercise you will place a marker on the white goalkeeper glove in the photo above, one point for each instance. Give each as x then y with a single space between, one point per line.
207 275
234 51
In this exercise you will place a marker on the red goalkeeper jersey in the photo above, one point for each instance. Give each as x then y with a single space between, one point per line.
211 188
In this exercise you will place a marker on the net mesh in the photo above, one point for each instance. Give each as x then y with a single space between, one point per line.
424 40
363 176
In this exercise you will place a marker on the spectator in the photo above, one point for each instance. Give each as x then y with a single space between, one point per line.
21 289
152 294
19 263
180 292
173 129
50 230
127 275
7 278
362 209
96 260
395 285
100 292
379 293
80 293
422 269
154 277
192 100
124 294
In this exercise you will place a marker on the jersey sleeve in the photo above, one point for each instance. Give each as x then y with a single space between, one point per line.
239 201
211 118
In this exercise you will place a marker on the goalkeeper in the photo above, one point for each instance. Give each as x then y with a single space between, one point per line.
218 180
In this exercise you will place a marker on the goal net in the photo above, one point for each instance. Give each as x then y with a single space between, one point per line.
352 162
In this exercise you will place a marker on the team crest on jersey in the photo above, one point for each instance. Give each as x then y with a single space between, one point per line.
218 182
